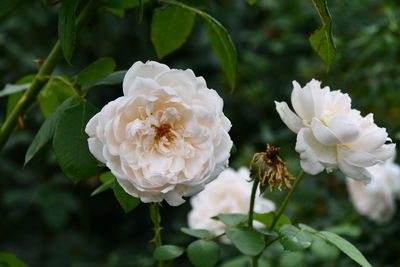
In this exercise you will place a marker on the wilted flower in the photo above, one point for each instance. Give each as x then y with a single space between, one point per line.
269 167
376 200
166 137
330 134
229 193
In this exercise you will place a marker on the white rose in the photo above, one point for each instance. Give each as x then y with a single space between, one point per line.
330 134
229 193
166 137
377 199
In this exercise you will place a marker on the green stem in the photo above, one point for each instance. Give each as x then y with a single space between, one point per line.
42 77
154 209
251 213
286 200
156 219
252 200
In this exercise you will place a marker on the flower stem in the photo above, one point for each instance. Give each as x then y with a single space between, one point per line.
286 200
156 219
42 77
154 209
251 213
252 201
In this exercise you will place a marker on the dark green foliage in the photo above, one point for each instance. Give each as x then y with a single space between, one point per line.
167 252
203 253
170 28
247 240
66 27
126 201
70 142
321 39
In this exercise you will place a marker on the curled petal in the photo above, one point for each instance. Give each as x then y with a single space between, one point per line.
385 152
302 102
308 158
292 121
344 129
92 125
150 69
358 158
323 134
354 172
96 148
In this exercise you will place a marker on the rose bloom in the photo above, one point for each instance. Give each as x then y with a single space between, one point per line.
377 199
330 134
166 137
229 193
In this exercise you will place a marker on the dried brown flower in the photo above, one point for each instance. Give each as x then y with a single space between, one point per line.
270 167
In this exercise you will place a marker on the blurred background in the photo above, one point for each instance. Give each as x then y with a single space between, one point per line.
46 220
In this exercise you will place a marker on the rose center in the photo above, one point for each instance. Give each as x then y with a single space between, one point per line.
164 130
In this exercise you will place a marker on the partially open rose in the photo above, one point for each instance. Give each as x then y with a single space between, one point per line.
166 137
330 134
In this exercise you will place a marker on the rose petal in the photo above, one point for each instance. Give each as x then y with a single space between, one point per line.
323 134
150 69
308 158
354 172
292 121
302 102
343 128
385 152
96 148
357 158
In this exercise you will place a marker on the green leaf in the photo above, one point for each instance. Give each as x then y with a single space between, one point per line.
246 239
95 71
221 44
167 252
66 27
7 6
70 143
321 40
119 12
239 261
126 201
199 233
232 219
292 259
47 129
107 176
11 260
12 102
56 91
267 219
223 47
14 98
111 79
346 247
307 228
108 182
14 88
170 28
293 238
346 229
203 253
324 250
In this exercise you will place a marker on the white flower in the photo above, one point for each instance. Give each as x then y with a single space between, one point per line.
330 134
377 199
166 137
229 193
